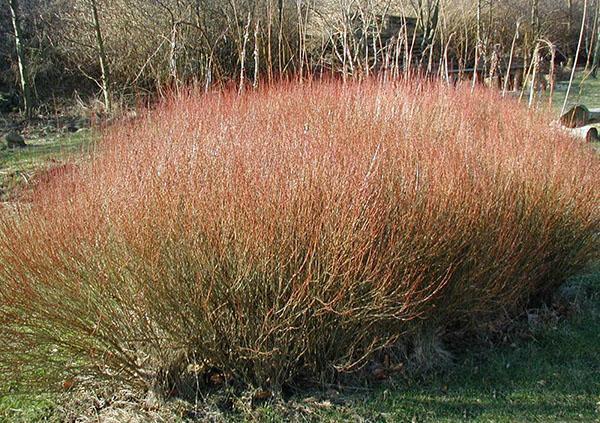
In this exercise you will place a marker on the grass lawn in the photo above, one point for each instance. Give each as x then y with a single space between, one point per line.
551 374
18 165
585 90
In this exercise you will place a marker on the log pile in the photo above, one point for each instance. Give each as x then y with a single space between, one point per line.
579 121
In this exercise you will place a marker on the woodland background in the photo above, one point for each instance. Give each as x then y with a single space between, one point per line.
119 51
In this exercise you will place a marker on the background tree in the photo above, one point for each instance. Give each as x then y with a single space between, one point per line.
21 59
105 72
121 50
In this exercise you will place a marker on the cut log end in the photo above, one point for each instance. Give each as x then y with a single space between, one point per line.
586 133
592 135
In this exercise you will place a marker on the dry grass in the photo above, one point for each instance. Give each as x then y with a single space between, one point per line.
291 233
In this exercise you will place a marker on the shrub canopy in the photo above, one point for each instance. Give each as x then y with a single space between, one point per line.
292 232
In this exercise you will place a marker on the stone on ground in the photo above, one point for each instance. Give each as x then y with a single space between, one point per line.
15 140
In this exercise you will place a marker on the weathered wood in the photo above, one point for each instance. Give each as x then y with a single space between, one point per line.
580 116
588 133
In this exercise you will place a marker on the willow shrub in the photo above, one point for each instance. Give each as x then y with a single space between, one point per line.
292 232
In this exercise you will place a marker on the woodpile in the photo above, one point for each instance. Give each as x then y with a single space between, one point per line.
579 121
580 116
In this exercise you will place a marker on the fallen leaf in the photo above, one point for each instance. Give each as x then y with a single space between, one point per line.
262 395
68 384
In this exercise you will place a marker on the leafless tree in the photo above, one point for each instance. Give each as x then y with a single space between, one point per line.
105 72
15 13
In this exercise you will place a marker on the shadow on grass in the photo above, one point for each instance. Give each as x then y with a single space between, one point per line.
585 90
553 377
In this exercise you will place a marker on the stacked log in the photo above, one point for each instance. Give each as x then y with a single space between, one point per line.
580 121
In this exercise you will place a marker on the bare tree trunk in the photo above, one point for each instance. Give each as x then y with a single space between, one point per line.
510 59
490 28
173 56
269 47
301 49
535 65
256 56
569 32
552 74
590 38
477 45
105 77
243 55
280 38
23 68
576 57
535 19
596 54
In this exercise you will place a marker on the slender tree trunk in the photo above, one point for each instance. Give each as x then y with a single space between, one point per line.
269 46
590 37
535 31
510 60
300 40
534 74
552 74
243 55
23 68
280 37
477 45
256 56
105 77
535 19
596 54
490 28
569 32
173 56
576 57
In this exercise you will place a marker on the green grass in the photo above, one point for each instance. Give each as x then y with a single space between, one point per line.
585 90
554 376
18 165
27 409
